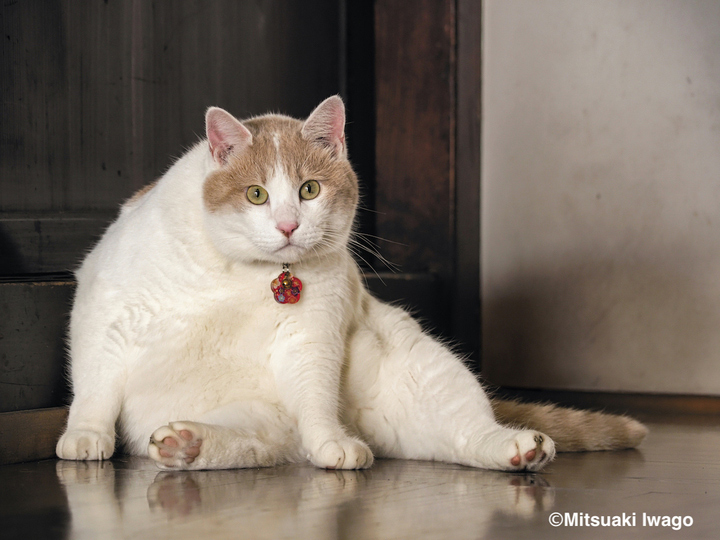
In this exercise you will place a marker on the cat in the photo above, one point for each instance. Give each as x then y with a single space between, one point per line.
178 336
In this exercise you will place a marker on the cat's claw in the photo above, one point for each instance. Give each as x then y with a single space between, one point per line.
343 454
530 451
175 446
85 445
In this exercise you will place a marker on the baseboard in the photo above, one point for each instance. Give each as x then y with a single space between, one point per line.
30 435
649 406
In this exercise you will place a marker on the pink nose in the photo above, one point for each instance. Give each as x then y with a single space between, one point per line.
287 227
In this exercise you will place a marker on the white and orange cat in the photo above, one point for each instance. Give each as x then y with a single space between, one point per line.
177 340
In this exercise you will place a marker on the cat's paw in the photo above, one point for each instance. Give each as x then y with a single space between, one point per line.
529 451
175 446
345 453
85 445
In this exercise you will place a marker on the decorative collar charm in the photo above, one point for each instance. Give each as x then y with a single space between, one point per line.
286 287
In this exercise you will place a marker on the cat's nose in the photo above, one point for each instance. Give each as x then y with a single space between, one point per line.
287 227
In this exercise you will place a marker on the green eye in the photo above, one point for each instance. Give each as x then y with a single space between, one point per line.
257 195
310 189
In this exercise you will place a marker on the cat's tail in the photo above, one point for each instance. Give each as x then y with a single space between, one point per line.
572 430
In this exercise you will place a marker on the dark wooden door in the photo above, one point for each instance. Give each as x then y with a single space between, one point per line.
99 97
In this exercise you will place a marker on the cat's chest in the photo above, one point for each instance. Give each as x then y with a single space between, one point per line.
213 320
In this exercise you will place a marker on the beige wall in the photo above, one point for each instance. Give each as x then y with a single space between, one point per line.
601 194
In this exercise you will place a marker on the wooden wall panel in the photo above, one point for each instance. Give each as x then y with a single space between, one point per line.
100 97
32 344
47 243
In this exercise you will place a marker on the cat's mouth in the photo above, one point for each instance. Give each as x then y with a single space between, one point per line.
289 253
289 248
288 244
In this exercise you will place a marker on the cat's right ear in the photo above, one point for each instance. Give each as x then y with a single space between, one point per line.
326 126
225 134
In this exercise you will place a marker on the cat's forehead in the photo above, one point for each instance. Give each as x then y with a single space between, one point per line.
271 127
278 146
275 136
277 142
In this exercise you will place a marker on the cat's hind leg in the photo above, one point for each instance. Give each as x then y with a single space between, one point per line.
411 397
236 435
507 449
194 445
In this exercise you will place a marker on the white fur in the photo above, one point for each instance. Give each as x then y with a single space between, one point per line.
175 330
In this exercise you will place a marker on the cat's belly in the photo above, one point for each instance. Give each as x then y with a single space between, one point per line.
187 367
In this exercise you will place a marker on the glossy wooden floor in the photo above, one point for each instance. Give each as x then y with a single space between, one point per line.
676 472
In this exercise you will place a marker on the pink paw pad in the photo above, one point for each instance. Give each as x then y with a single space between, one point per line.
517 460
191 452
535 457
173 448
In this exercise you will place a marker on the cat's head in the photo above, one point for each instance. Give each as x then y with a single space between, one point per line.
281 190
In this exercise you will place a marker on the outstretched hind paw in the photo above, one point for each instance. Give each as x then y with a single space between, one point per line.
507 449
530 451
176 446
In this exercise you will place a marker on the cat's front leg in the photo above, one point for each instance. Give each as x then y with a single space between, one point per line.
98 384
339 451
307 372
326 441
90 432
85 444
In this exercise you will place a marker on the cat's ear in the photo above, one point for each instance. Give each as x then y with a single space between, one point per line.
326 126
225 134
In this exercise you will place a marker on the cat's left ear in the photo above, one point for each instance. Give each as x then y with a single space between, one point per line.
326 126
225 134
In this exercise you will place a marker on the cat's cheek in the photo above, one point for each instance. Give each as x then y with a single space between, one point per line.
230 243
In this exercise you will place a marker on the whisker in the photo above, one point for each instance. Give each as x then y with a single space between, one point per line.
369 265
372 211
366 235
373 251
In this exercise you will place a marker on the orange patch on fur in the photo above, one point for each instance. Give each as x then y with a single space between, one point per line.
139 194
302 160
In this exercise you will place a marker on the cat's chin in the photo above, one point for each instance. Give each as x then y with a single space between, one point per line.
289 254
293 254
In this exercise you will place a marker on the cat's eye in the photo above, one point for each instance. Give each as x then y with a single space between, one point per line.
310 189
257 195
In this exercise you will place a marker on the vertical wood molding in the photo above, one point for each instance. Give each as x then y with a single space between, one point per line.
415 95
466 293
428 149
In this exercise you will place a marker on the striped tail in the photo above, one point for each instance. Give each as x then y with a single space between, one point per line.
572 430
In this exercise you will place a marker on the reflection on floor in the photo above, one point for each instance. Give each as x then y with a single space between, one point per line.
676 472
